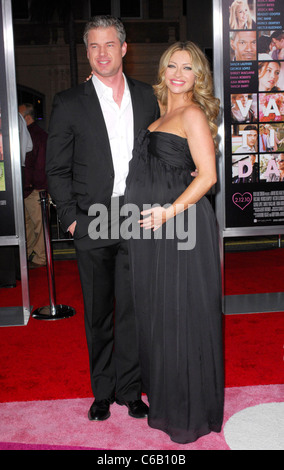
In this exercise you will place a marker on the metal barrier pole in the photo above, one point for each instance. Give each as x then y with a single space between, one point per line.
52 311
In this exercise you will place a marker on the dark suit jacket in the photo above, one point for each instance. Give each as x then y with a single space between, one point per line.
79 162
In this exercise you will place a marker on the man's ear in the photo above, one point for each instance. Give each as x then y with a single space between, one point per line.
124 49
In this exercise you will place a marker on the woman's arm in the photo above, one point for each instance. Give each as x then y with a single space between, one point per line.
202 149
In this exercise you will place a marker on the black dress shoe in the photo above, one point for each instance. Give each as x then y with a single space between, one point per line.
136 408
99 410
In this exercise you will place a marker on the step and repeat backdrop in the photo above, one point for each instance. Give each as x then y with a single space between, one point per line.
253 86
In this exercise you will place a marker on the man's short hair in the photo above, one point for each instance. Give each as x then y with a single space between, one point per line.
278 35
105 21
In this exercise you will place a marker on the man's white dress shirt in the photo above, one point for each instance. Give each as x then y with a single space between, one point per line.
119 124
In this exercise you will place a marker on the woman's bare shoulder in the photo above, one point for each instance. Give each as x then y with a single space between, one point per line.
193 116
192 111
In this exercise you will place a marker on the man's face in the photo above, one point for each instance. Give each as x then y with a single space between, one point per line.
244 45
278 43
243 99
105 52
251 138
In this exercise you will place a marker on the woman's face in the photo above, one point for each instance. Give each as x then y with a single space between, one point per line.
269 78
179 76
243 99
242 14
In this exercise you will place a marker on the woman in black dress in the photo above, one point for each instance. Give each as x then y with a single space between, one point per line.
175 265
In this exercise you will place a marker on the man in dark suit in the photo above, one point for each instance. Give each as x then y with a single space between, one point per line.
91 133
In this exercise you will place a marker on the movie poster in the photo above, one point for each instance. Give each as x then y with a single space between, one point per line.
7 216
253 42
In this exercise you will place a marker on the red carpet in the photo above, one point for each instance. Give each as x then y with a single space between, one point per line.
48 360
254 272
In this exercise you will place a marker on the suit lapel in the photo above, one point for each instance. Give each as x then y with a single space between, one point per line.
94 118
137 105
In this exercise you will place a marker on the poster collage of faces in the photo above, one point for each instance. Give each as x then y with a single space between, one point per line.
257 90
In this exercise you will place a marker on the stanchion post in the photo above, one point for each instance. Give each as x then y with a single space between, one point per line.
51 311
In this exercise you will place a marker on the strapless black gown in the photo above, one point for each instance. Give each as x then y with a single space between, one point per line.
177 296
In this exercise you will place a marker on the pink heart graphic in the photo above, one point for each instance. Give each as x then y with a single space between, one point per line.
242 200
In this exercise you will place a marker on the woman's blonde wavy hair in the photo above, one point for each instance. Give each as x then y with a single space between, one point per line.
233 14
203 87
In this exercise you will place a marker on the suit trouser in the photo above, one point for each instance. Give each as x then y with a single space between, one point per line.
34 228
111 339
